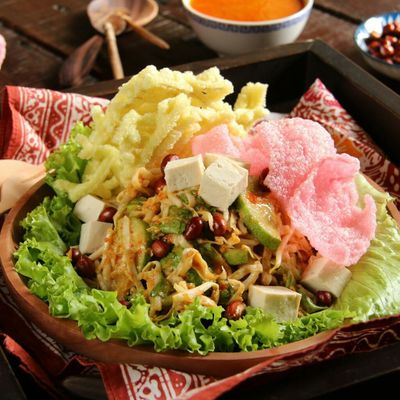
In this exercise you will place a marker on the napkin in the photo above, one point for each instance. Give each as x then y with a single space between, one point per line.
2 50
34 122
16 177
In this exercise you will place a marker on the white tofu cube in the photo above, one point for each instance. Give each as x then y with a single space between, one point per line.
209 158
88 208
324 274
184 173
92 237
222 183
279 301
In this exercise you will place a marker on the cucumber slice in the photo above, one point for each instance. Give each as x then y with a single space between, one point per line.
259 216
140 242
212 257
236 256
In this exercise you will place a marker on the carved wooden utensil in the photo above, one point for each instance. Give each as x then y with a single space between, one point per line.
112 27
143 32
80 62
109 17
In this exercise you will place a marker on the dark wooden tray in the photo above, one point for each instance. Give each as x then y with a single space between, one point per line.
291 69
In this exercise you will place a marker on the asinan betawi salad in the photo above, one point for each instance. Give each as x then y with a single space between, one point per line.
181 221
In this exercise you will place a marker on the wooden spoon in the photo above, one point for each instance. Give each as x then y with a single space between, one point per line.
102 17
112 28
143 32
134 13
79 63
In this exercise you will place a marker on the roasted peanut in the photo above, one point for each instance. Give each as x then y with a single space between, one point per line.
235 310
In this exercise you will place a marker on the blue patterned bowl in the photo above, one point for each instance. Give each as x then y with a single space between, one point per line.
363 31
234 37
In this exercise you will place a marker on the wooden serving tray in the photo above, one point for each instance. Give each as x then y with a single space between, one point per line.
289 70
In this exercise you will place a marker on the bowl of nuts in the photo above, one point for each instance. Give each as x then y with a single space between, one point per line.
378 39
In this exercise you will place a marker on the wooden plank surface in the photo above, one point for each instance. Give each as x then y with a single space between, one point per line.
42 33
58 27
358 10
316 28
61 29
28 64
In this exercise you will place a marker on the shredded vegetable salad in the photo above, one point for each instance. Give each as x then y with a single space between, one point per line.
217 267
145 241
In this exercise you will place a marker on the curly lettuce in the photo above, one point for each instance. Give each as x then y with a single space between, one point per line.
99 314
374 288
51 228
64 164
53 223
81 167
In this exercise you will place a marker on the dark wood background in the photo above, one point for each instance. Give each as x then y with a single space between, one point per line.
40 35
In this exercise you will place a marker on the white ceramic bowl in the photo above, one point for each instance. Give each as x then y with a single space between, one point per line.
237 37
363 31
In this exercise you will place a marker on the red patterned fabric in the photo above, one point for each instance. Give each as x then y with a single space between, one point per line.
34 122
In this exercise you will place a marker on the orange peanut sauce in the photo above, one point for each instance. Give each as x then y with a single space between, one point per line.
248 10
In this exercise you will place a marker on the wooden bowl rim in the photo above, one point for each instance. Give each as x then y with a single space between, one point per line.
38 313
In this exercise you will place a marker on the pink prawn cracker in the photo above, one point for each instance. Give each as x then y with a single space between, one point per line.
324 208
217 140
293 147
313 183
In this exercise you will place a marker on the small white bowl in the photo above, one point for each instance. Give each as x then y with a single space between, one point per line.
364 30
237 37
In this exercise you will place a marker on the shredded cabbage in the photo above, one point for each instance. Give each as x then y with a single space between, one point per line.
99 314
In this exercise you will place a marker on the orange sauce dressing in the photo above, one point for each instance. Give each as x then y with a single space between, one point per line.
248 10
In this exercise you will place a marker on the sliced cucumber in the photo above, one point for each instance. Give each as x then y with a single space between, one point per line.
172 260
212 257
140 242
236 256
259 216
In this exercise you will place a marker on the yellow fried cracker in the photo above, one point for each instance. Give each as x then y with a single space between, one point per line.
156 112
164 148
250 104
167 117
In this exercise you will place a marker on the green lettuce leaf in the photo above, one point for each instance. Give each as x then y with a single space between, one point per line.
51 228
99 314
53 223
59 209
374 288
311 324
52 277
64 163
37 224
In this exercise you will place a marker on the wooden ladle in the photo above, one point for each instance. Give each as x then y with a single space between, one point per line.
106 22
135 13
109 17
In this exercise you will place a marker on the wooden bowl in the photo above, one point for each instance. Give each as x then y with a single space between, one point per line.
67 332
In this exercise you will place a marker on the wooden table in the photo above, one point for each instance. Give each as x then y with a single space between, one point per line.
42 33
